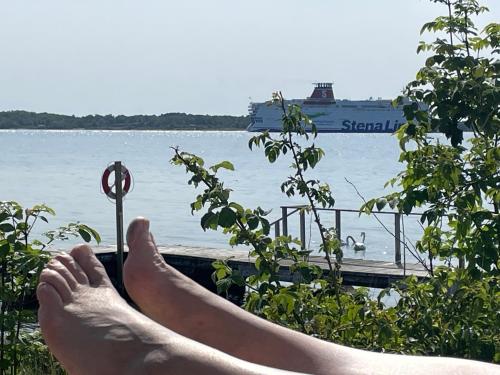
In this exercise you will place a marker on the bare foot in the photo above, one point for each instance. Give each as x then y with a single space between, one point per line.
91 329
162 293
177 302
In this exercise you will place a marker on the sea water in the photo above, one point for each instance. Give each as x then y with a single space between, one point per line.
63 169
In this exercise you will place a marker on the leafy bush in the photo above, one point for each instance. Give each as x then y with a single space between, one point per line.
455 312
452 314
457 184
36 358
21 261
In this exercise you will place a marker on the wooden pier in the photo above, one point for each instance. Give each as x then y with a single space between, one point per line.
196 262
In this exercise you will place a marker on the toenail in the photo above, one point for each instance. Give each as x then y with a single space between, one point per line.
137 228
61 258
143 225
83 248
46 272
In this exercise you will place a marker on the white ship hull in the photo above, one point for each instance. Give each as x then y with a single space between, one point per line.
330 115
343 116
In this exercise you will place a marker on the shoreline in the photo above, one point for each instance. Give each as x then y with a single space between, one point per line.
17 120
126 129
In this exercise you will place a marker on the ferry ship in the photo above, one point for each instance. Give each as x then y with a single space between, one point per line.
331 115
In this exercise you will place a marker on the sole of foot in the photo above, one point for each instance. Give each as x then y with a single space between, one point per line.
90 329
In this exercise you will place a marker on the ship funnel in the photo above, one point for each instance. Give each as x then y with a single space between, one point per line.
322 94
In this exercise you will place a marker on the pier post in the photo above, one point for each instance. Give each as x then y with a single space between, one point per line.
284 218
119 225
338 224
397 238
302 229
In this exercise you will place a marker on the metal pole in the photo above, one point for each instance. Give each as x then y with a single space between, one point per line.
119 226
404 247
338 223
284 218
397 239
277 229
302 229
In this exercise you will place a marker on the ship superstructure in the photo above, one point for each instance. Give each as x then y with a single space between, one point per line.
331 115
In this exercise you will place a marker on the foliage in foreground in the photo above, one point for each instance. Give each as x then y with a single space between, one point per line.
21 261
452 314
455 312
36 358
457 184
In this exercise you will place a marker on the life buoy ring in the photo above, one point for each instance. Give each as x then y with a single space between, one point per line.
106 187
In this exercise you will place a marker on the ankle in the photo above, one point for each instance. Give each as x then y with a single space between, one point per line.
157 358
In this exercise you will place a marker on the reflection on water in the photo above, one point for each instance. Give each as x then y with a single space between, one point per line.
63 170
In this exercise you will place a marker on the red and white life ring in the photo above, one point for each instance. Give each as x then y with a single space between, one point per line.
106 187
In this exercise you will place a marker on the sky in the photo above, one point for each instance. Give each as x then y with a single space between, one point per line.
204 57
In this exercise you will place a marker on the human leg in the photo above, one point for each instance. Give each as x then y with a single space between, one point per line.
174 300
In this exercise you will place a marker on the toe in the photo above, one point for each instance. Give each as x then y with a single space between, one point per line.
47 295
138 235
88 262
75 269
58 282
60 268
49 313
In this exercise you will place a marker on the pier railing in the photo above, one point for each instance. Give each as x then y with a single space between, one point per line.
281 226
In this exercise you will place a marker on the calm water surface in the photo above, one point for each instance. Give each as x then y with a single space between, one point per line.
63 170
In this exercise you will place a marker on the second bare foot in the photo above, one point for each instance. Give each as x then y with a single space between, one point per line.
177 302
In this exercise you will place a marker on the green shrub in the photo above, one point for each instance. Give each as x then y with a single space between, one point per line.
455 312
21 261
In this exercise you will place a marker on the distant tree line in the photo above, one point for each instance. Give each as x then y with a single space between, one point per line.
167 121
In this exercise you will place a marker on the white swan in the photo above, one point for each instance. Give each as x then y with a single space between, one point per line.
357 245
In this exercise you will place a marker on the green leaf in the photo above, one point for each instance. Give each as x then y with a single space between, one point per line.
4 248
497 357
19 214
22 226
223 285
224 164
85 235
6 228
381 202
478 72
220 273
227 217
265 226
253 222
238 279
206 220
92 232
96 235
239 209
3 215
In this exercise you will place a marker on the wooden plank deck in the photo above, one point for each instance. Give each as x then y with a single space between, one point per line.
196 263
